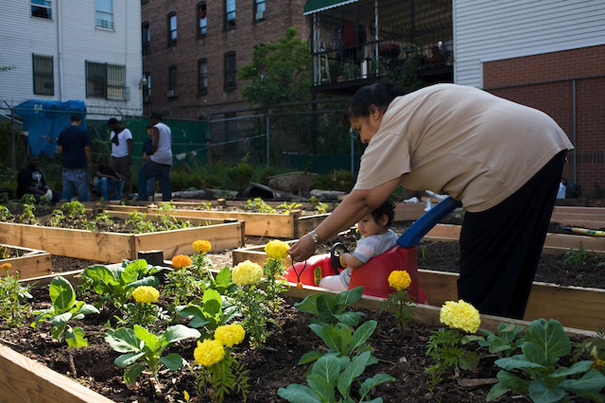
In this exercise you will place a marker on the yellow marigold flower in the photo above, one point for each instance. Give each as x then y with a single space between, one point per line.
460 315
209 352
246 273
597 364
399 280
145 294
202 246
181 261
277 250
230 335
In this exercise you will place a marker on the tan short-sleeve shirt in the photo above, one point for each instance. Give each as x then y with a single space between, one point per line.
461 141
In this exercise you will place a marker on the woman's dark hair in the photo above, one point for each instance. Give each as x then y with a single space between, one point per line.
387 208
380 94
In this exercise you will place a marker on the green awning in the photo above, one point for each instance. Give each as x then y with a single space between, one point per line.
315 6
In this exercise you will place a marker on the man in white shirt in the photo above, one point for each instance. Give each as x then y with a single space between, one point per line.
158 165
121 153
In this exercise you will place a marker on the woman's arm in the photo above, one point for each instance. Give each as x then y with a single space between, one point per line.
356 205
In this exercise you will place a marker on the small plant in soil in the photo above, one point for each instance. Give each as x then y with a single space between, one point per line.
137 223
12 297
273 271
28 216
537 374
57 217
331 309
116 284
320 207
142 312
288 207
75 209
143 349
578 259
259 206
5 214
400 280
64 308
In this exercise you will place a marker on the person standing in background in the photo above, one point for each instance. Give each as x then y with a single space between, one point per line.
160 162
75 145
147 153
121 153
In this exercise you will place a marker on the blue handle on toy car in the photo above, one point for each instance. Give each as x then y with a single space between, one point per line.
414 234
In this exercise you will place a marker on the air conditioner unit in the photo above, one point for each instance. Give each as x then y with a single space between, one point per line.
260 15
171 93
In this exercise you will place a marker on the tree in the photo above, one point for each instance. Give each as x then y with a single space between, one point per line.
279 72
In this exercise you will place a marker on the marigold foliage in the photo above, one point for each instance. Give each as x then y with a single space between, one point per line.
277 250
209 352
145 294
460 315
246 273
399 280
230 335
202 246
180 261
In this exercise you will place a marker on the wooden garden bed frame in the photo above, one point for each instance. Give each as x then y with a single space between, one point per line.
583 217
25 380
31 263
113 247
292 225
576 307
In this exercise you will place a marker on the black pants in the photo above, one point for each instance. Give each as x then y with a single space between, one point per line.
500 248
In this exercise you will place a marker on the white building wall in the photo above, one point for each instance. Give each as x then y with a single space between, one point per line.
73 30
487 30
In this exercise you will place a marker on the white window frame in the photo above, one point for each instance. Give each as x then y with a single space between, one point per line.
107 22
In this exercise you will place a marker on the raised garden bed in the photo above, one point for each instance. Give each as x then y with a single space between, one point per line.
28 262
573 306
112 247
399 353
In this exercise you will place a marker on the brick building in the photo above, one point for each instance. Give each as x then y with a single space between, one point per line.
192 50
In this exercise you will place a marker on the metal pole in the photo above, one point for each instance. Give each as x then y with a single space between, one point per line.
267 131
574 132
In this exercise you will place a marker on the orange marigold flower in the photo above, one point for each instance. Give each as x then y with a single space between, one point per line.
5 266
181 261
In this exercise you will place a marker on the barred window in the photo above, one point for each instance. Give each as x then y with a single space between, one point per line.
230 71
44 82
105 81
104 13
41 9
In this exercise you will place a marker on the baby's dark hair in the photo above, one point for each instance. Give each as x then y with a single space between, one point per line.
387 208
380 94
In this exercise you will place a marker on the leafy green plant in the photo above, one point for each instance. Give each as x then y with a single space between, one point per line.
75 209
258 205
320 207
331 374
5 214
183 286
240 174
103 219
593 350
332 309
28 216
12 296
507 339
211 313
116 284
137 224
142 349
57 218
536 374
28 198
580 258
204 206
288 207
64 308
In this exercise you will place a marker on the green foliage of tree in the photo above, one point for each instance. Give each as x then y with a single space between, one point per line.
280 72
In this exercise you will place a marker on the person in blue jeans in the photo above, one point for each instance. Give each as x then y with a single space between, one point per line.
107 181
160 162
75 145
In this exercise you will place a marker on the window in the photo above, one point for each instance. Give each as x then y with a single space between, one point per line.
105 81
104 13
172 82
229 14
230 71
44 82
171 29
146 87
202 20
202 77
146 38
259 10
41 9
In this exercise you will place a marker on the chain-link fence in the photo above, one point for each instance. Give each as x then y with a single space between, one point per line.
310 137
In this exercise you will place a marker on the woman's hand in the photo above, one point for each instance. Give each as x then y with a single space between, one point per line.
302 249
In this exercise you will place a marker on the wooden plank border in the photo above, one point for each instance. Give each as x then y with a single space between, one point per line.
32 263
113 247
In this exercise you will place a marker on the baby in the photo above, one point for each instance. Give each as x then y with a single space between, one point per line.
376 239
